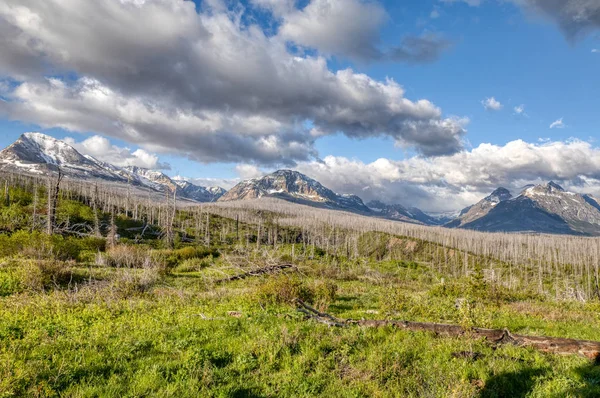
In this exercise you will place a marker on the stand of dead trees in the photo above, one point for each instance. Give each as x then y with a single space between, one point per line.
569 264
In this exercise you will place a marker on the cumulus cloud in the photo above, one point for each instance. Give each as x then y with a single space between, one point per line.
574 17
454 182
102 149
472 3
491 104
558 124
204 84
325 25
520 110
246 171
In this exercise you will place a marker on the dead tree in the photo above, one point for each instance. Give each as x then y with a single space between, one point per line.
6 194
112 234
53 192
95 210
553 345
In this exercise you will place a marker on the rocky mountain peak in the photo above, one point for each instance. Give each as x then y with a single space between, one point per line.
40 154
293 186
552 186
499 195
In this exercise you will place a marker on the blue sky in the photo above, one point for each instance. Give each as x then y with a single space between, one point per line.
520 56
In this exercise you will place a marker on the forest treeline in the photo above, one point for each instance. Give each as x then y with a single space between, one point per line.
564 267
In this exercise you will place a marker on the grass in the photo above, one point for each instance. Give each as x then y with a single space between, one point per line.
182 336
79 319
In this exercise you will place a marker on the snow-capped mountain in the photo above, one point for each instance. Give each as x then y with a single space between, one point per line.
481 208
546 208
36 153
198 193
296 187
401 213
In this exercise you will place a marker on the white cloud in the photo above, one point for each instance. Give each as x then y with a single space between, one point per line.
324 25
454 182
520 110
435 13
246 171
225 183
491 104
472 3
206 84
574 17
558 124
595 50
101 148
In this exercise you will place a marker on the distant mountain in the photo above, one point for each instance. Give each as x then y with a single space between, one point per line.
401 213
546 208
199 193
445 217
481 208
295 187
37 153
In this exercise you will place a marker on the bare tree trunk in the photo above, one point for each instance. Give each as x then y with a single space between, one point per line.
112 234
6 194
95 208
35 204
53 193
171 219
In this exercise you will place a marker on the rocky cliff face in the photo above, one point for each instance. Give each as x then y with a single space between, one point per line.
294 186
481 209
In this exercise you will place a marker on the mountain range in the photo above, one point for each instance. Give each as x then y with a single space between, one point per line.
545 208
295 187
40 154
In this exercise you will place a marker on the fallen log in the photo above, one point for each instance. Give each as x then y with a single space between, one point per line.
554 345
257 272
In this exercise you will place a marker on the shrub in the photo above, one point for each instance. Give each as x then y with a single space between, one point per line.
41 246
324 294
125 256
284 289
173 258
127 283
10 282
193 265
38 275
394 301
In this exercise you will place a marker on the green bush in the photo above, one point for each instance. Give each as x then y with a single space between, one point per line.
129 256
33 275
175 257
324 294
10 282
37 275
193 265
41 246
284 289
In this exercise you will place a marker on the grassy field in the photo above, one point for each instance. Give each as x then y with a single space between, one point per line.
80 317
77 329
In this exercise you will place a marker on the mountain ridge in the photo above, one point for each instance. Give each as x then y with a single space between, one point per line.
40 154
296 187
544 208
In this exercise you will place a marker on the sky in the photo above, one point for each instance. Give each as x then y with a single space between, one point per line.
430 103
